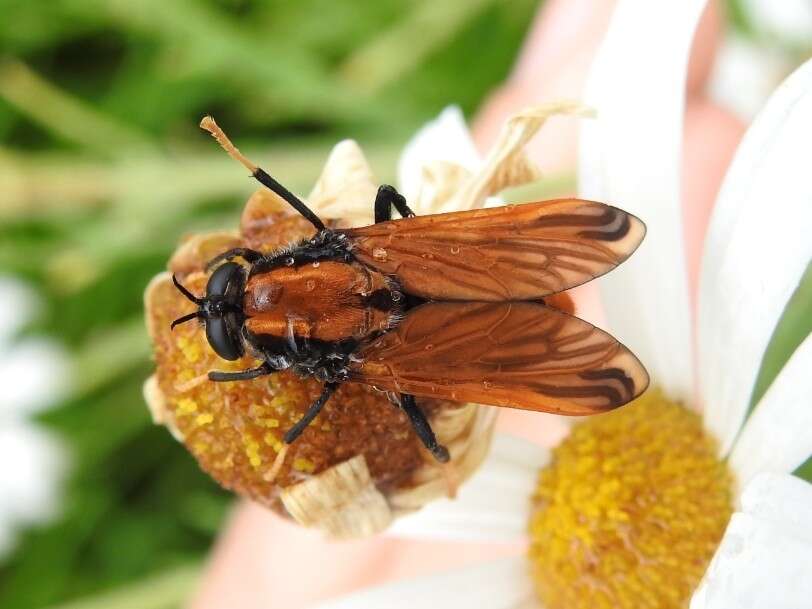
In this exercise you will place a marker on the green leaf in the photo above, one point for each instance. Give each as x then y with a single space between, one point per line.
793 327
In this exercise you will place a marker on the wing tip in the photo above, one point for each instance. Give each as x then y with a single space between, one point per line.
636 373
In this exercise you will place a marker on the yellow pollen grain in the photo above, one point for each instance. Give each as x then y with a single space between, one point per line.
186 406
630 510
190 348
252 452
204 419
304 465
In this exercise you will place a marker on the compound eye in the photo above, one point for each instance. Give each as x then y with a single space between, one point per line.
225 275
223 336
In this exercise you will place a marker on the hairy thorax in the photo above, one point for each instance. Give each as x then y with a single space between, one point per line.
326 301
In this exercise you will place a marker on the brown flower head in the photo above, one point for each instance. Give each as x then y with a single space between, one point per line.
359 464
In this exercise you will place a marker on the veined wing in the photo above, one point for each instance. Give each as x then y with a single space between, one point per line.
515 252
516 354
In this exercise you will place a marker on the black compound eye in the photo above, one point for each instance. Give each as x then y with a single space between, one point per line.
226 275
224 337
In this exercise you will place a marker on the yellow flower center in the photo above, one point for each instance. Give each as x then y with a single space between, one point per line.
630 510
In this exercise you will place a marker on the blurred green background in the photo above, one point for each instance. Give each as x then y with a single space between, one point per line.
103 169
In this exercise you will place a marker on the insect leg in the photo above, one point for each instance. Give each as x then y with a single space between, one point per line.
259 174
422 428
245 253
242 375
387 198
312 412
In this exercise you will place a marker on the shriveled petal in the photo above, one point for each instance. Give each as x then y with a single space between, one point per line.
494 505
630 157
778 436
757 249
502 584
346 188
445 139
506 164
763 559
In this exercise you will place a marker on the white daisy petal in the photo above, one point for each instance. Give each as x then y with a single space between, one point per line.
630 157
18 304
763 559
757 249
777 498
502 584
33 374
778 436
494 505
33 464
446 138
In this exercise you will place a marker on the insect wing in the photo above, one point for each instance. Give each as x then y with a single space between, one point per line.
518 354
515 252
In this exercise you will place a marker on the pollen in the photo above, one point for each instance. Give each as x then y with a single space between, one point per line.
304 465
191 350
630 510
186 406
204 419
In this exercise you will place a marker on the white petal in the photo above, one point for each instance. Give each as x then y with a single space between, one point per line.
759 564
780 499
494 505
630 157
32 464
446 138
787 20
32 375
757 248
778 435
745 74
779 504
17 305
346 187
502 584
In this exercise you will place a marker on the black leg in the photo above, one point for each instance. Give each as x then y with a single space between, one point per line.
312 412
242 375
248 255
422 428
387 198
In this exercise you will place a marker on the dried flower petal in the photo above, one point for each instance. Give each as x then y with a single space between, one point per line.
506 165
346 187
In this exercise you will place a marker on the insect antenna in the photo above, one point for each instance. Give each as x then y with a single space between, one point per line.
187 293
260 174
190 296
184 319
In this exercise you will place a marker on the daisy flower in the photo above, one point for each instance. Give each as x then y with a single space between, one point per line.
32 376
655 505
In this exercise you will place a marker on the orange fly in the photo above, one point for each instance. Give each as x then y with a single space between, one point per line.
442 306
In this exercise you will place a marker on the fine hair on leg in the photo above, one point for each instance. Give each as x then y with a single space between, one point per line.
312 412
422 428
386 199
